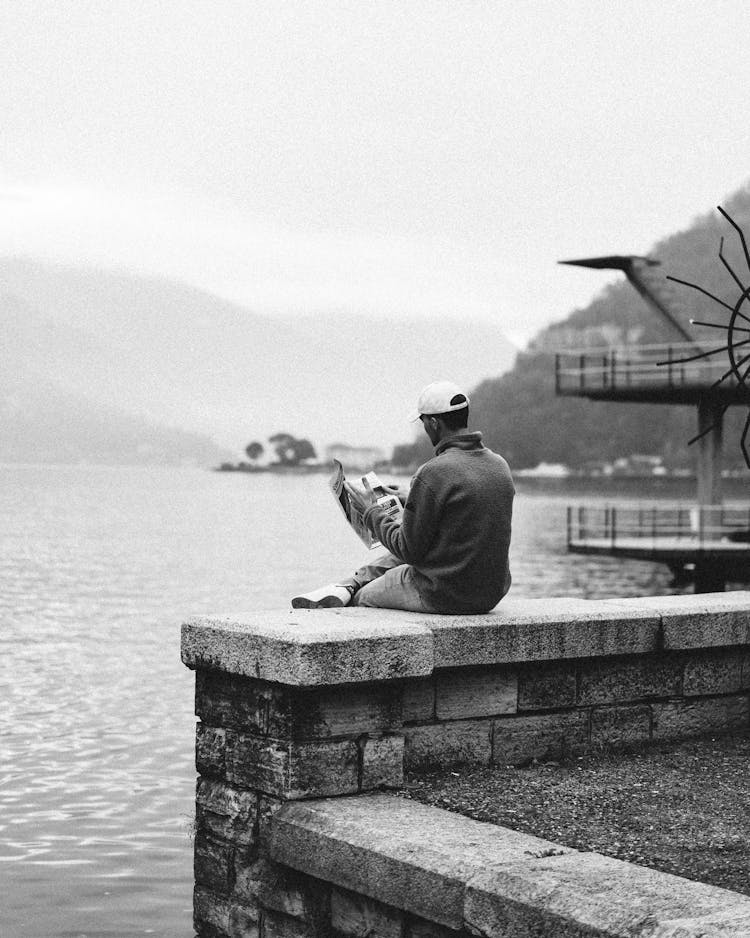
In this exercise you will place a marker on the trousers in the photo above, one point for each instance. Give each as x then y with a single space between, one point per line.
384 582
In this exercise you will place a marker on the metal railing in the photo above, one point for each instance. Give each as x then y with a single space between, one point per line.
578 371
621 525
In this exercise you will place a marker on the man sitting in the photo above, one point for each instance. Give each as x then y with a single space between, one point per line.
449 551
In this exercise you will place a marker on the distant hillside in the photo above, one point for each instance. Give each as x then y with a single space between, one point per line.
177 356
524 420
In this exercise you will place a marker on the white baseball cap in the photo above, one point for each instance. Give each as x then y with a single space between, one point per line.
440 397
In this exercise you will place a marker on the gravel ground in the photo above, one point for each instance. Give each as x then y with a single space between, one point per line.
682 808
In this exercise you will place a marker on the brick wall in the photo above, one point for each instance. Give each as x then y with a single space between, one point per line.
335 703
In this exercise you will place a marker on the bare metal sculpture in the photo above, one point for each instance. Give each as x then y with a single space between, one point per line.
737 338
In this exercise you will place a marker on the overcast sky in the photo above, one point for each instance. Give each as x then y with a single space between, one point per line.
407 157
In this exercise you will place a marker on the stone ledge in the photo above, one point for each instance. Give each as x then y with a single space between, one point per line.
544 630
342 646
492 880
707 620
309 648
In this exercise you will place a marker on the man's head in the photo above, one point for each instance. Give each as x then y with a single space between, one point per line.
443 409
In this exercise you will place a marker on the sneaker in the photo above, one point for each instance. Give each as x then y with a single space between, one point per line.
324 598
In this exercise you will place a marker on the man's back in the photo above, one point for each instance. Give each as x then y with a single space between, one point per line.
457 525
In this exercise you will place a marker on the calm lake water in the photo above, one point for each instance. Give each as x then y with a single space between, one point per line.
98 568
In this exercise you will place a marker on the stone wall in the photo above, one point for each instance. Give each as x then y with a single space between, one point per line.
329 703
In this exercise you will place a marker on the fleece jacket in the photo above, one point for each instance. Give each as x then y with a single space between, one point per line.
455 530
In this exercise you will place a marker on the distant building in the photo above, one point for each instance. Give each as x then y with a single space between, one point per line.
355 457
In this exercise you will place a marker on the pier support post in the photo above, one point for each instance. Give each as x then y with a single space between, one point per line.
710 420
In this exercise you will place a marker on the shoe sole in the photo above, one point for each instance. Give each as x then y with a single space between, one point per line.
327 602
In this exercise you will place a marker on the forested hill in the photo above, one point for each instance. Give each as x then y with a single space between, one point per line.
522 418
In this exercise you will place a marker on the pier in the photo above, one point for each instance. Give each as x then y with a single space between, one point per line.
701 541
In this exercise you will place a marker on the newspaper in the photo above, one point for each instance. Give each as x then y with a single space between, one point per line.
389 501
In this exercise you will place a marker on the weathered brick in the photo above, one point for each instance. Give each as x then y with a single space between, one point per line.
320 770
210 750
545 686
713 672
213 863
355 915
241 702
421 928
345 711
294 769
382 762
520 739
285 890
418 700
442 744
620 726
225 812
620 680
248 876
278 925
259 763
244 922
682 719
210 914
267 808
475 692
296 713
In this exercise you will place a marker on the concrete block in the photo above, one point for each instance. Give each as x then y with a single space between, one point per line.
418 700
294 769
702 621
577 895
682 719
311 647
543 630
382 763
361 917
545 686
406 855
475 692
620 726
713 672
619 680
210 913
224 812
517 740
211 750
443 744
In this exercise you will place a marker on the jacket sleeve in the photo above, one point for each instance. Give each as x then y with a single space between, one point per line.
410 538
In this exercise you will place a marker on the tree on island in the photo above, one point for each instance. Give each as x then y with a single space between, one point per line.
291 451
254 451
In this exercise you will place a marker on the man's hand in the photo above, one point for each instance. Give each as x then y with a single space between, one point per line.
362 498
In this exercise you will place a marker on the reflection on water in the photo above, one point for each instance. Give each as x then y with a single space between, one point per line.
98 567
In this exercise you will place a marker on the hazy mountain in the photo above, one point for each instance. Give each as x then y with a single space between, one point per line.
173 355
524 419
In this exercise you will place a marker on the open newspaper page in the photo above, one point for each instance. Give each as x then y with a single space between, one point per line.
388 500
